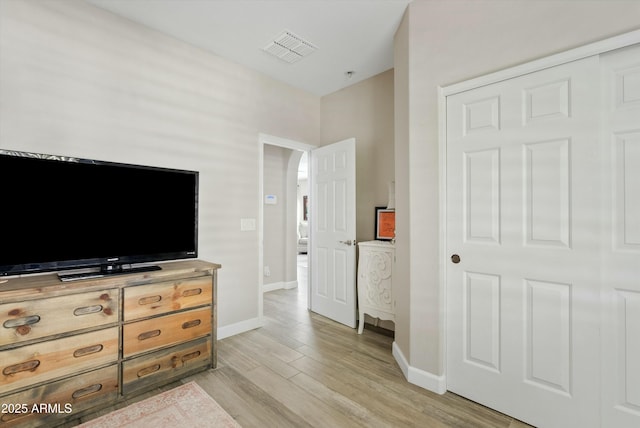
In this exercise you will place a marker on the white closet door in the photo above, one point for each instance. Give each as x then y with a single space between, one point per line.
621 248
523 215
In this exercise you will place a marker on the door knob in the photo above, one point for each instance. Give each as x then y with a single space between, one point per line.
455 258
349 242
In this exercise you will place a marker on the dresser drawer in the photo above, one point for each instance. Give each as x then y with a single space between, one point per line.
65 398
154 299
166 330
57 358
161 366
35 319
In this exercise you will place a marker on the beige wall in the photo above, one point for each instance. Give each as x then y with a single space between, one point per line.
276 160
279 236
402 291
78 81
364 111
441 42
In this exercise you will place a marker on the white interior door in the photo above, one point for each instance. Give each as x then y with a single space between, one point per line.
523 216
621 246
333 231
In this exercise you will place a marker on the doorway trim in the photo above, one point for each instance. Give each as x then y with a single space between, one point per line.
592 49
287 144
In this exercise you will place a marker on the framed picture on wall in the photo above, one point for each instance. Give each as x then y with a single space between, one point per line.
385 224
305 208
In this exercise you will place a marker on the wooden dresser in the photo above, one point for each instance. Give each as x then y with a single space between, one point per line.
70 348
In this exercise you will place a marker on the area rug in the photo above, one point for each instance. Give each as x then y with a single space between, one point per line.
187 405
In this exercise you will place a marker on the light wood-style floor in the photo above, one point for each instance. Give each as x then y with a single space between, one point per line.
304 370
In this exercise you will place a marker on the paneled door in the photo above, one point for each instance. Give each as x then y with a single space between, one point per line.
333 231
523 236
621 246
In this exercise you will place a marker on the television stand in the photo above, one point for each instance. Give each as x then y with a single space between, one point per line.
106 270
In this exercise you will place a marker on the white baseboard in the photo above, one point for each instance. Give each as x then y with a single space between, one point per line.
272 286
419 377
279 286
290 285
237 328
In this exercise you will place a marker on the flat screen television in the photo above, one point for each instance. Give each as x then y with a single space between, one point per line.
59 213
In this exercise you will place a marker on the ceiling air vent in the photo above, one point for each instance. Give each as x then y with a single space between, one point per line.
289 48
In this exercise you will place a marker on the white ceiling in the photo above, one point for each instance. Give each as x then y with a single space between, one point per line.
351 35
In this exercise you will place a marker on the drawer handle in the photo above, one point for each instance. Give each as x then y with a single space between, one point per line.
174 361
86 391
27 366
19 322
149 300
86 310
192 292
192 323
148 370
87 351
190 356
148 334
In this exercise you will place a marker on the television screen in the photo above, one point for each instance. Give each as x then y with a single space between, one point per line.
61 213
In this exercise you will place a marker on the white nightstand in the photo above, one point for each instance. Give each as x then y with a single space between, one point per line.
375 279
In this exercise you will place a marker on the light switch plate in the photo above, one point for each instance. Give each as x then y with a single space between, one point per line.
247 224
